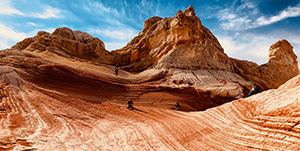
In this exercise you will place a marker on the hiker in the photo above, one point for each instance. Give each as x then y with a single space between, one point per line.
130 104
238 96
116 70
254 90
177 107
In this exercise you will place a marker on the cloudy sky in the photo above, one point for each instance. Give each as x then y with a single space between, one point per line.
245 28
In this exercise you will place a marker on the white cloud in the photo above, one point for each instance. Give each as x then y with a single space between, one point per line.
246 46
114 45
8 36
237 18
32 24
255 47
6 9
123 34
49 13
8 33
3 44
230 46
101 7
98 8
246 16
289 12
114 22
114 39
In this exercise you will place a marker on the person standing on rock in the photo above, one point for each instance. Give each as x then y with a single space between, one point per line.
130 104
255 90
177 107
116 70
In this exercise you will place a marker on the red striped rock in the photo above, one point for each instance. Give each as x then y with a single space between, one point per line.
58 92
47 105
35 117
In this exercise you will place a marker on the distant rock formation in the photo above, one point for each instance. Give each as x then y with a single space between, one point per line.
281 66
64 41
282 63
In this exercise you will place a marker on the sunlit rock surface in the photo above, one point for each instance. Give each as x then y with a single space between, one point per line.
281 66
71 118
58 92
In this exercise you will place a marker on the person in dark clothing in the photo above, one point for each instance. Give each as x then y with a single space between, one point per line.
130 104
177 107
116 70
255 90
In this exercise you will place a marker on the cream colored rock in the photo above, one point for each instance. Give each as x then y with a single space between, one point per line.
281 66
215 82
178 42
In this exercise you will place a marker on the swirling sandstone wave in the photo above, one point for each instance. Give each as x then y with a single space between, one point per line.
58 92
33 117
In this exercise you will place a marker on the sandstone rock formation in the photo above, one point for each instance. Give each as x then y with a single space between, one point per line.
64 41
59 91
178 42
181 42
282 66
58 114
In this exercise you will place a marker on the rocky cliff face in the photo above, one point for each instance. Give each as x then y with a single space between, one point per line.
178 42
281 58
281 66
59 91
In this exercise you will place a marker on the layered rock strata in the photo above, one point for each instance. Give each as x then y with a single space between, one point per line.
37 118
59 91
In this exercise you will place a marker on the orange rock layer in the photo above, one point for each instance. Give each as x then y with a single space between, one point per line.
35 117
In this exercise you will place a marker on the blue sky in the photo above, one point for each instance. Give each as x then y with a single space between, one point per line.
245 28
